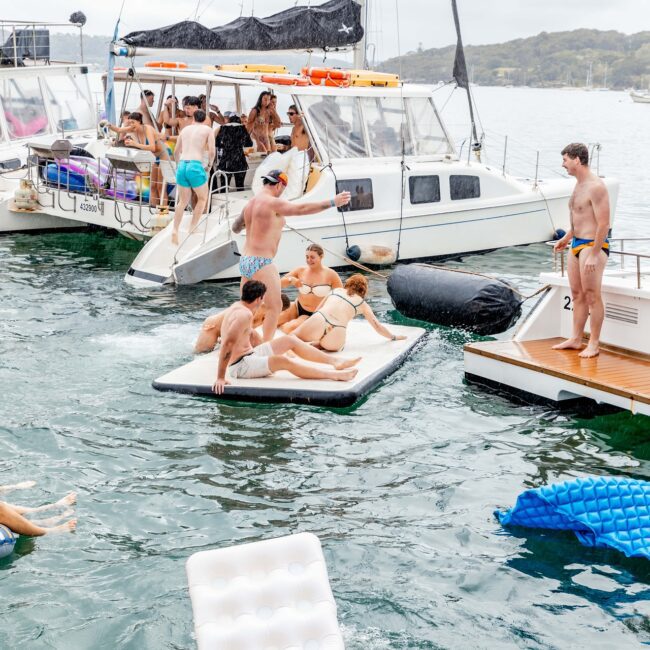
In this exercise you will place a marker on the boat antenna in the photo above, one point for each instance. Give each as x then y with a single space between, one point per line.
462 80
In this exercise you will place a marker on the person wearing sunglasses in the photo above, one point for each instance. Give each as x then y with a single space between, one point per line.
299 137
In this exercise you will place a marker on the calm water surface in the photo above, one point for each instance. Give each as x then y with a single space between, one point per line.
400 489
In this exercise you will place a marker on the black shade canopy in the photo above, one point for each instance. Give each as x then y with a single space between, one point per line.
328 26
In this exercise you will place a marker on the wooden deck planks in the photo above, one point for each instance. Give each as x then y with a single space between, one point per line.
617 372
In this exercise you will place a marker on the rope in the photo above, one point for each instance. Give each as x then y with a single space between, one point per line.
345 227
342 257
488 277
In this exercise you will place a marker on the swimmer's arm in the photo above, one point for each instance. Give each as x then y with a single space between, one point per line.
288 279
151 136
369 315
288 209
600 203
335 280
228 340
211 149
179 147
240 222
561 244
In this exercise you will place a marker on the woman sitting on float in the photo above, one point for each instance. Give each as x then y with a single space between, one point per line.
327 326
314 283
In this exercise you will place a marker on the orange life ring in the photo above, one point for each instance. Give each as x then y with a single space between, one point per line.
328 81
326 73
170 65
284 81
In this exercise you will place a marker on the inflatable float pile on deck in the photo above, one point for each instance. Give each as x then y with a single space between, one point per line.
380 358
270 594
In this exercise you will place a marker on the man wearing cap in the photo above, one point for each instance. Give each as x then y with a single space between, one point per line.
264 217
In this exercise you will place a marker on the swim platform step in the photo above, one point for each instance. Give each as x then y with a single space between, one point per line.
617 377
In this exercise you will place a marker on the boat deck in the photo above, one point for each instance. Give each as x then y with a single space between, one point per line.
615 376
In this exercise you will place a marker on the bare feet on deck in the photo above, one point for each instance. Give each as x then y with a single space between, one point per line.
346 363
346 375
68 527
590 351
569 344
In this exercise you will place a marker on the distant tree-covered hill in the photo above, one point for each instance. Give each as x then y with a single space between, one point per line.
578 58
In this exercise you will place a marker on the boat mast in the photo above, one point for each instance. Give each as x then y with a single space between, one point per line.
360 61
460 75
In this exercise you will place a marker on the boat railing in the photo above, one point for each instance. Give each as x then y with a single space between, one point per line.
634 260
28 42
518 155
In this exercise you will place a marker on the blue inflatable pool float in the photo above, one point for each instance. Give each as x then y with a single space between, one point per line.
7 541
602 512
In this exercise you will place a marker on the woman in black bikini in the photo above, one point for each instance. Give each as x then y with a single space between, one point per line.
314 283
328 324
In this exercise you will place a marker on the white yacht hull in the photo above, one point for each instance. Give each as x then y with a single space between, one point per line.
528 214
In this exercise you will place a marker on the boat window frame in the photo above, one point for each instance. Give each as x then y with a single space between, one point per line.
406 121
465 198
3 118
85 92
348 207
320 145
413 177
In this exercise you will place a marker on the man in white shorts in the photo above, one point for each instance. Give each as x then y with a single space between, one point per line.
246 362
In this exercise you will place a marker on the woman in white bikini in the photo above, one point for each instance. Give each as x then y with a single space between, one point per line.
314 283
327 325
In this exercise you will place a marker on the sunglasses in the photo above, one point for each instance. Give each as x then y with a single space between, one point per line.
292 113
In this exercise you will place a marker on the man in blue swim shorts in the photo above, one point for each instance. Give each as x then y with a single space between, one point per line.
589 212
264 217
195 143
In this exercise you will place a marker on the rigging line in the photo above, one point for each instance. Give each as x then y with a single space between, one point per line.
345 227
341 257
402 161
206 8
196 11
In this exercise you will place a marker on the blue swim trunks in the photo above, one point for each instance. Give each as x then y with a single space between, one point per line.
190 173
249 265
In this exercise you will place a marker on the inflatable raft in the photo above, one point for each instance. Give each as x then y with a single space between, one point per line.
381 357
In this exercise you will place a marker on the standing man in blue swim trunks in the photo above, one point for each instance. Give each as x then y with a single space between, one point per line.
264 217
589 211
195 144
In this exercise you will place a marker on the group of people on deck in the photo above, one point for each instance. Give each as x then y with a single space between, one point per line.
200 138
314 325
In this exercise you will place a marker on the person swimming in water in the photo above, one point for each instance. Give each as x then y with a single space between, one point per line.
314 283
12 517
327 326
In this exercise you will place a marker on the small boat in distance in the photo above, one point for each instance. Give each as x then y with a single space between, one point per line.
640 96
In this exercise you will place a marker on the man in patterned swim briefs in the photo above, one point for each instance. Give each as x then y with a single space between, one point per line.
264 217
247 362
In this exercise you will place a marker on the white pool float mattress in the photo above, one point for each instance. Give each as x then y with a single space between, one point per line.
380 358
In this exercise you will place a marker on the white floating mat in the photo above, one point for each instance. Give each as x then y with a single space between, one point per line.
271 595
380 357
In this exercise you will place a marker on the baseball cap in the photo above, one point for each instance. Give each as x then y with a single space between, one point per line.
276 176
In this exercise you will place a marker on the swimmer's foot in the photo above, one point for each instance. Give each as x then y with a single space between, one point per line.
51 521
346 375
342 364
68 527
18 486
590 351
68 500
569 344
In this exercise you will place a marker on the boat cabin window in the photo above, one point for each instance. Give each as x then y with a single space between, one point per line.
428 135
464 187
424 189
387 126
361 191
69 102
23 107
337 122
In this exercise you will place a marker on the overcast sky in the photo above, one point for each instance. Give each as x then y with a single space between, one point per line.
428 22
